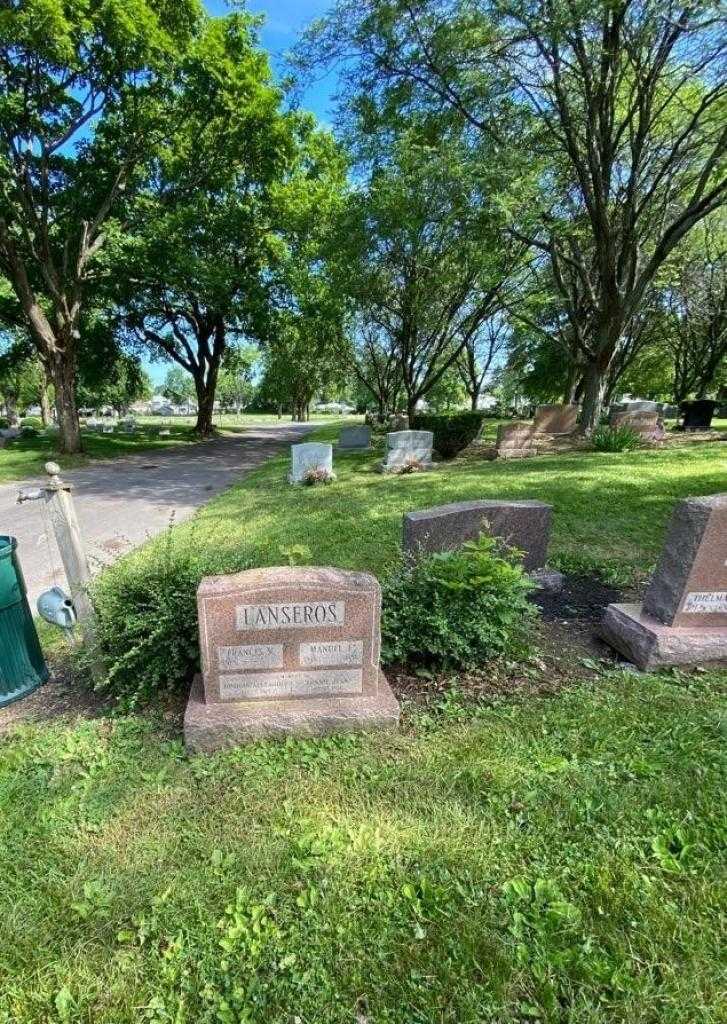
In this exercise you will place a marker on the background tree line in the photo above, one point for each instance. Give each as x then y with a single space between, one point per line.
529 187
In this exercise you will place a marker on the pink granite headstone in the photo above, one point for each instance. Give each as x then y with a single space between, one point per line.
683 618
287 651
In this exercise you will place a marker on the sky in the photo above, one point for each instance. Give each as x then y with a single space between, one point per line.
284 20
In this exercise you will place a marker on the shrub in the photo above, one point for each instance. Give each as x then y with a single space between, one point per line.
451 433
4 423
615 439
457 608
146 608
32 421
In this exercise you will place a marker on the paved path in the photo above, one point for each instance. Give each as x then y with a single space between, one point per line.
121 503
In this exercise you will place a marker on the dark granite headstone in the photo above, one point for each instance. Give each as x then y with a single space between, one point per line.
698 414
520 524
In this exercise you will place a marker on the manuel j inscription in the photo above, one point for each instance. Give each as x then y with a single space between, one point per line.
291 616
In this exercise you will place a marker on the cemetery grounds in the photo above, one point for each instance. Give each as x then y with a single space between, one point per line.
542 842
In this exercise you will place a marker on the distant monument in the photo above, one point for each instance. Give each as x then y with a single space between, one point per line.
683 618
287 651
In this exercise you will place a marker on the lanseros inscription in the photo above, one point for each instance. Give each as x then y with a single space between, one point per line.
295 615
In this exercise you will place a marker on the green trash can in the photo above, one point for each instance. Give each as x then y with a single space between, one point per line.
22 665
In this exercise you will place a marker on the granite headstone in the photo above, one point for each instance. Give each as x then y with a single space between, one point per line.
683 618
524 525
312 455
287 651
404 447
355 439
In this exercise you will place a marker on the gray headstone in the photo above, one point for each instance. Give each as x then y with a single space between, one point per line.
520 524
404 446
305 457
355 438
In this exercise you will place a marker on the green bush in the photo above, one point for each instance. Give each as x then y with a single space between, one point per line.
615 439
457 609
4 423
451 433
32 421
146 607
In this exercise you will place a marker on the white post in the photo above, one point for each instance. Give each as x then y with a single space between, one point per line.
62 513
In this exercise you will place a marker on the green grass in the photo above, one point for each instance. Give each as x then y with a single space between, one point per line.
610 510
553 860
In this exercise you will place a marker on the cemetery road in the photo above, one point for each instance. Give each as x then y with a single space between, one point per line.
120 503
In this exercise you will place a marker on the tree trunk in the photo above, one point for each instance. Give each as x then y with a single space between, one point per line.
205 403
411 411
594 381
64 381
474 399
45 407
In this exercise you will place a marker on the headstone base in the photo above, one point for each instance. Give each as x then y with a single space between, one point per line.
649 644
210 727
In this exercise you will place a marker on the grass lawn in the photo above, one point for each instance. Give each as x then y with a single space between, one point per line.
26 456
552 859
610 512
520 859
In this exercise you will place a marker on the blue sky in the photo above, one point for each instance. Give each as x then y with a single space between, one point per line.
284 20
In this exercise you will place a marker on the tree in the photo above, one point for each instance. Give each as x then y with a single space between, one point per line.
697 303
83 89
178 386
415 263
625 100
20 379
480 354
235 386
199 241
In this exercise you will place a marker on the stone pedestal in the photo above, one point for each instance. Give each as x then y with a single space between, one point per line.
649 644
210 727
287 651
683 619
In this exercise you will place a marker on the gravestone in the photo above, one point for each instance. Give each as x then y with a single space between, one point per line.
520 524
644 423
556 419
697 415
307 457
404 447
683 618
287 651
356 439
